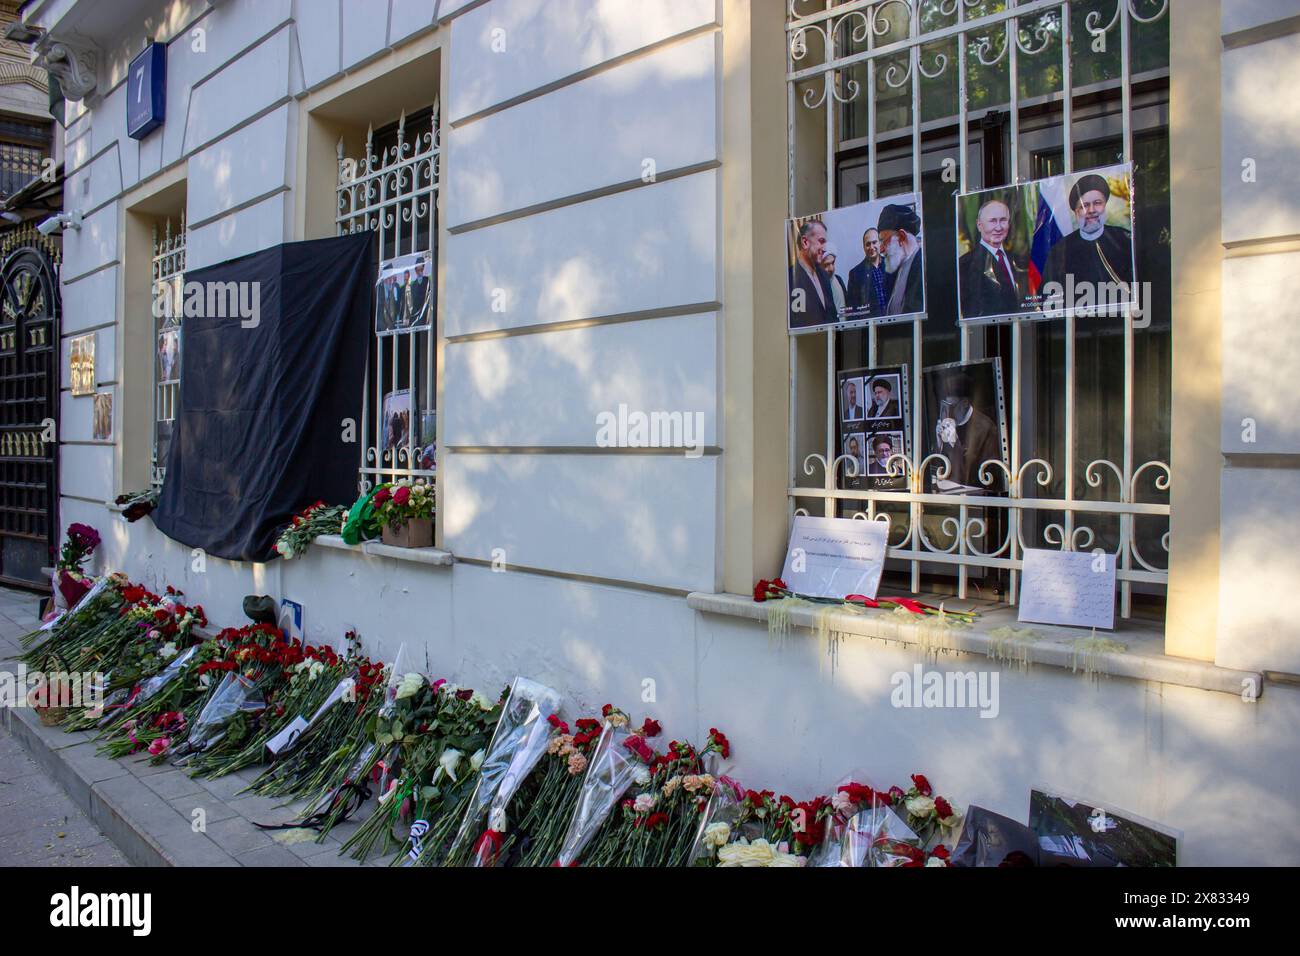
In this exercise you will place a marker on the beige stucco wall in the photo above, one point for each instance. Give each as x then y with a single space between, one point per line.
1195 213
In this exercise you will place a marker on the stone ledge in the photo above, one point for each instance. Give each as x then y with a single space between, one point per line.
431 556
1143 660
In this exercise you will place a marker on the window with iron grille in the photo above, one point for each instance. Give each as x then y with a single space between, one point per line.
168 309
393 191
948 96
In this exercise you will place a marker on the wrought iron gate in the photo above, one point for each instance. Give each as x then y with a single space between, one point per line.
29 406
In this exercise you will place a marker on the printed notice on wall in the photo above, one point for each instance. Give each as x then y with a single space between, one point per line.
1074 588
835 557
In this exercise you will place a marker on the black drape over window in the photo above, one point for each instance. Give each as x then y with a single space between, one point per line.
270 397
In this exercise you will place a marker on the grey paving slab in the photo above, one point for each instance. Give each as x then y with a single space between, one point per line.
273 855
237 836
172 784
39 823
212 809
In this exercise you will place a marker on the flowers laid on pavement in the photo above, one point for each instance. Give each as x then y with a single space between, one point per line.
453 776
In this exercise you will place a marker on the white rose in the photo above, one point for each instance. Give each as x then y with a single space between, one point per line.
758 853
920 806
476 761
448 764
167 651
409 686
717 834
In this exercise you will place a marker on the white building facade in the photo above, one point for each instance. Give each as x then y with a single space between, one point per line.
605 187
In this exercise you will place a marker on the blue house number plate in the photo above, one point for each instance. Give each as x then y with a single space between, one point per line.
146 91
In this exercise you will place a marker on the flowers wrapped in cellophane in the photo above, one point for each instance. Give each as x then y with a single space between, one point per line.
228 711
431 739
657 827
309 683
544 817
517 744
894 827
620 759
720 818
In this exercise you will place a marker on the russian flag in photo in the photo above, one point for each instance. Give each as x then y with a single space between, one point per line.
1051 222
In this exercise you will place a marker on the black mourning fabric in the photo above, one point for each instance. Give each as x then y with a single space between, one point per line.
260 433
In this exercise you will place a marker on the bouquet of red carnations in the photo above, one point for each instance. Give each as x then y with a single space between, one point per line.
621 758
657 827
325 748
308 684
544 817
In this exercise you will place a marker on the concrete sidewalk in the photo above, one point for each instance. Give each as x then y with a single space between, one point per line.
153 815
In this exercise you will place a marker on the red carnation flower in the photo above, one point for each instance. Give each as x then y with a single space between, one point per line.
922 785
651 728
943 808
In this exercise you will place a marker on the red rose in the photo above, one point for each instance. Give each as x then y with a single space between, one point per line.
922 785
401 496
380 497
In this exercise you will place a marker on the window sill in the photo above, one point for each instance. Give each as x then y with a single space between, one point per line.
1144 658
431 556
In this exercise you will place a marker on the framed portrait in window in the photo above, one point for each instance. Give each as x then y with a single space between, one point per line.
1048 248
856 265
404 294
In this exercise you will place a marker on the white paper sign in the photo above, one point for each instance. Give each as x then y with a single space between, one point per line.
287 736
1075 588
835 557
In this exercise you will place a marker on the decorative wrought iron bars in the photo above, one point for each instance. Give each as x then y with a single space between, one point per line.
880 53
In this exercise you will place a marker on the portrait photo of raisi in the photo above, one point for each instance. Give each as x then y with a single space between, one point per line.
1048 248
856 265
966 422
882 397
1083 243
